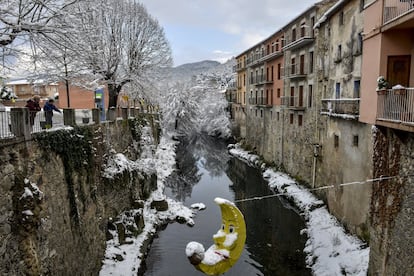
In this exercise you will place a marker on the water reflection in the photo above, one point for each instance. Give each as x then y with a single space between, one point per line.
273 231
199 150
274 245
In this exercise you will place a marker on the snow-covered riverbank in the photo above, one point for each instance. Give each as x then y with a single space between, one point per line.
330 250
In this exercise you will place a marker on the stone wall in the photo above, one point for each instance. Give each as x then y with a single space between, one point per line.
54 202
392 214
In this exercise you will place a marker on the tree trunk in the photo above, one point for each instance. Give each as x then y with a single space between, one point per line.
113 91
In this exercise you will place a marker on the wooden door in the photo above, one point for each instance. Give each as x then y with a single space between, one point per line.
398 70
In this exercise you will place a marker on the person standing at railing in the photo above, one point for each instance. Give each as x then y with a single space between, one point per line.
48 109
34 107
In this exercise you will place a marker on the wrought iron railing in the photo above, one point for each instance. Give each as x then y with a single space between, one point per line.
396 8
347 108
396 105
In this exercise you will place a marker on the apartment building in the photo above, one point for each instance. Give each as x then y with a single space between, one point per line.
388 51
238 109
344 144
330 123
301 110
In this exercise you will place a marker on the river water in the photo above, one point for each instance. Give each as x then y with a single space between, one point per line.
274 245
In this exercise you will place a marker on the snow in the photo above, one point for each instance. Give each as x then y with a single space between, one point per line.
163 160
194 248
330 250
213 255
27 193
199 206
220 201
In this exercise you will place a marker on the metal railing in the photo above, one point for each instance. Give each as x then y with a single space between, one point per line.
396 105
16 122
396 8
345 107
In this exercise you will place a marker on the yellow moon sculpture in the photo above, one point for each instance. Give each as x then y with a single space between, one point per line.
228 242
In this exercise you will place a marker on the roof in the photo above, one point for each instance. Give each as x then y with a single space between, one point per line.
26 81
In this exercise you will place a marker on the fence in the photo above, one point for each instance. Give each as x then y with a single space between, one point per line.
396 8
396 105
17 122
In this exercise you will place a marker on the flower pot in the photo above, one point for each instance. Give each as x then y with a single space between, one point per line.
382 91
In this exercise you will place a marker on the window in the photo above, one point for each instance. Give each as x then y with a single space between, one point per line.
310 95
277 45
358 48
278 116
302 30
272 73
293 34
256 112
278 92
271 114
336 141
341 18
300 119
279 67
292 69
361 5
357 87
292 96
311 62
355 141
313 24
271 96
291 118
261 113
337 90
339 53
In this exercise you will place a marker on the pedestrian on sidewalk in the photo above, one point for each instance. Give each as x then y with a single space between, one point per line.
48 109
34 107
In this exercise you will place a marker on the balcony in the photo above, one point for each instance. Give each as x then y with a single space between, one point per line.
395 109
273 55
394 9
293 102
305 37
345 108
298 70
259 80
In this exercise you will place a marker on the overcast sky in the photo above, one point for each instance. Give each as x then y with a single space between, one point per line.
219 29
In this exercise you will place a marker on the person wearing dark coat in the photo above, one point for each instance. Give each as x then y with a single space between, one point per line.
34 107
48 108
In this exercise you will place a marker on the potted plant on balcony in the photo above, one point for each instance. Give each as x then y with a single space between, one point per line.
382 85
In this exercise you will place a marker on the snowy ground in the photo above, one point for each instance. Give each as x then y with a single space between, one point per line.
330 250
163 159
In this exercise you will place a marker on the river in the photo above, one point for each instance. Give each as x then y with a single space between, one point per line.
274 245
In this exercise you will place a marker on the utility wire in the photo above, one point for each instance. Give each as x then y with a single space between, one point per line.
381 178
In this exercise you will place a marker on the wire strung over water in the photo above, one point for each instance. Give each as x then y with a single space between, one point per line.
381 178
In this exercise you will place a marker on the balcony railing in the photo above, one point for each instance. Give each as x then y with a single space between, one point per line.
293 102
396 105
347 108
298 70
396 8
303 37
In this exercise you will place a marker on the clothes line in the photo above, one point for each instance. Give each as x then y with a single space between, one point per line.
381 178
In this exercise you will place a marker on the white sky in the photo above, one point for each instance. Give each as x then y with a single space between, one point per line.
217 29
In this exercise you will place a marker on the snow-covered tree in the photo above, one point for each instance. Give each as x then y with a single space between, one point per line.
24 20
121 42
198 105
